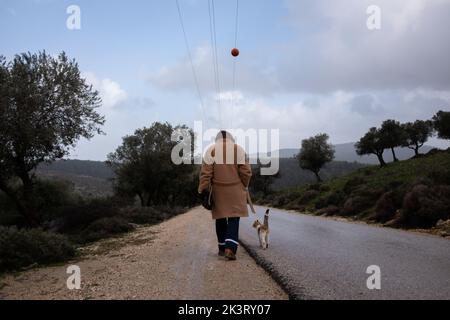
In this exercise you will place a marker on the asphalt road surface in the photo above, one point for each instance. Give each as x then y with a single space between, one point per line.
320 258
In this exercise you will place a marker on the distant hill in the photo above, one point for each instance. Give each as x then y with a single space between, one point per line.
97 169
346 152
93 178
89 178
291 175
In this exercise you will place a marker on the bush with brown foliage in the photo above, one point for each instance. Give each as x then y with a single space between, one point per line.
424 205
355 205
386 207
328 211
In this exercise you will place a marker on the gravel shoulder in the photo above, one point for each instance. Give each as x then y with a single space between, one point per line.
174 260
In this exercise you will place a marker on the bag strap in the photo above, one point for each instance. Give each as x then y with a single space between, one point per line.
250 203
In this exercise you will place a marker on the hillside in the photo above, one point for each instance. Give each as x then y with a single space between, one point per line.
413 194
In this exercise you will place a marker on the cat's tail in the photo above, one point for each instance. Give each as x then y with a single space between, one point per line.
266 219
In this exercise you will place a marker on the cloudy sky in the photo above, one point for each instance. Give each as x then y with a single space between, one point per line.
306 66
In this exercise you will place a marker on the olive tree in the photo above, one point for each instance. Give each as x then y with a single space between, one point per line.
46 106
315 153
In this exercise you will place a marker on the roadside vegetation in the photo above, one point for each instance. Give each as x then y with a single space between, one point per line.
46 106
411 194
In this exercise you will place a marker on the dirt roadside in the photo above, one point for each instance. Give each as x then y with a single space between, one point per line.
174 260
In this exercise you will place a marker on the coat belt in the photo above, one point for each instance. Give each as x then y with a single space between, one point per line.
226 184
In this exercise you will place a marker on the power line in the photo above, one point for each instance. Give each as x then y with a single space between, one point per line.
234 63
237 24
190 58
212 19
213 52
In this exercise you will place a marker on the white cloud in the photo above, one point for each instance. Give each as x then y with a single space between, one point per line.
345 116
332 50
110 91
250 77
338 52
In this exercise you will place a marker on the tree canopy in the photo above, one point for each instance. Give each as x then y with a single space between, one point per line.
315 153
441 123
45 108
392 135
372 143
144 168
417 134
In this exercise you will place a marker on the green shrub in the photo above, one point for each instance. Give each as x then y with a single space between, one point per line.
293 195
46 197
103 228
321 203
279 201
334 199
150 215
295 206
73 219
440 176
369 193
8 213
308 196
353 183
21 248
318 187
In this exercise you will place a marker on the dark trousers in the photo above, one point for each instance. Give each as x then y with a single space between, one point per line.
227 230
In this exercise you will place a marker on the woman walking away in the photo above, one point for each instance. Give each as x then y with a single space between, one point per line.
226 173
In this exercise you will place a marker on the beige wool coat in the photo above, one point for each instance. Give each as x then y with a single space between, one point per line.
227 170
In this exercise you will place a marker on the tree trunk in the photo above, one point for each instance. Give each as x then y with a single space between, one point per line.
30 212
319 179
381 160
393 155
150 198
416 149
22 206
141 199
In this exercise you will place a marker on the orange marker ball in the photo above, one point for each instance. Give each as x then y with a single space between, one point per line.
235 52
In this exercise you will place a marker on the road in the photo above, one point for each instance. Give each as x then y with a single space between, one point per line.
321 258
